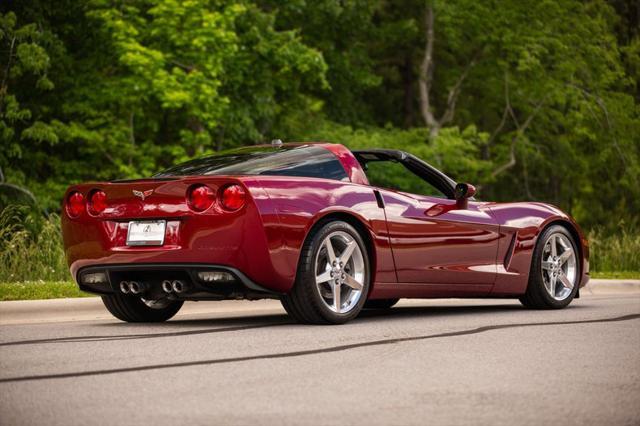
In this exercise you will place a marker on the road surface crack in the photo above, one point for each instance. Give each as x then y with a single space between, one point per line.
107 338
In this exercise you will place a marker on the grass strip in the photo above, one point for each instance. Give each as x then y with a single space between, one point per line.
34 290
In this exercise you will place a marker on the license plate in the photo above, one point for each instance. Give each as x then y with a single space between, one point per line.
146 233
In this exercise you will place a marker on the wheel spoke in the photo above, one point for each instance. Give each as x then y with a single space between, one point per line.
563 243
566 281
566 255
336 297
330 252
547 265
554 249
352 282
348 251
323 277
552 285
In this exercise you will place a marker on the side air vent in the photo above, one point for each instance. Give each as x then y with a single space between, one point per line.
507 259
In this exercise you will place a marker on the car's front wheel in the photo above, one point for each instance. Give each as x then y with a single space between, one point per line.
333 276
135 309
555 271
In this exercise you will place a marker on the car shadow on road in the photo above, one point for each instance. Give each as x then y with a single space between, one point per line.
367 314
280 319
431 310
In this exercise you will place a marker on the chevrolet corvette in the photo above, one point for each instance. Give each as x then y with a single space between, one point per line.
326 230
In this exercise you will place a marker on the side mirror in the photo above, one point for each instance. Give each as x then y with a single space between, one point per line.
462 193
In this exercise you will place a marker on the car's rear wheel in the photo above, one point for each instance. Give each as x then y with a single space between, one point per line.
555 271
380 303
135 309
333 276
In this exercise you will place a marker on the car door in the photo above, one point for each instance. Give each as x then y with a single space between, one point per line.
434 242
434 239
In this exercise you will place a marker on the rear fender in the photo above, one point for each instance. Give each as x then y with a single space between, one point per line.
303 203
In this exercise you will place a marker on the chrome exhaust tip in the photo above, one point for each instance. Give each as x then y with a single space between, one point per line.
179 286
124 287
136 287
166 286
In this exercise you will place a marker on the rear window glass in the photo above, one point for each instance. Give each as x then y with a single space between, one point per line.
303 161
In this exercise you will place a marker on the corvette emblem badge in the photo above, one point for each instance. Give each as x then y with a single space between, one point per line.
143 194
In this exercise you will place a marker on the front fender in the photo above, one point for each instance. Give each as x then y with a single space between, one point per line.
524 222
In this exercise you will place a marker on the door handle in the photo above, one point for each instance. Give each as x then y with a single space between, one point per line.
438 209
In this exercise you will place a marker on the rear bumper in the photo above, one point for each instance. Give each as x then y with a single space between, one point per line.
152 275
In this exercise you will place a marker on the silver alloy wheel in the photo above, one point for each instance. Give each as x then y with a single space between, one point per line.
340 272
559 266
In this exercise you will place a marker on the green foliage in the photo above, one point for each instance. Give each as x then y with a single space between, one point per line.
30 247
617 252
544 97
24 60
453 151
142 85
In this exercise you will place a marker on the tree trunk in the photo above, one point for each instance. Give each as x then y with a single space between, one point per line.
407 81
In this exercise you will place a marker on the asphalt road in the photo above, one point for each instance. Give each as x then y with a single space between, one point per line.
423 362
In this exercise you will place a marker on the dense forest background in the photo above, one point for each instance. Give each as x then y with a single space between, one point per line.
536 100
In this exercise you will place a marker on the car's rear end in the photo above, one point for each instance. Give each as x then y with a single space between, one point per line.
204 229
199 230
183 236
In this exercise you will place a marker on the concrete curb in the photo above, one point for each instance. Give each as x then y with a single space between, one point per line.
91 308
602 286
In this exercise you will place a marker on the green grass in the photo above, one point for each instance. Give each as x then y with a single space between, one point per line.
615 251
34 290
31 246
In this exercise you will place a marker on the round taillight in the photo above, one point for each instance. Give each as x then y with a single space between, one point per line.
200 197
233 197
97 202
75 204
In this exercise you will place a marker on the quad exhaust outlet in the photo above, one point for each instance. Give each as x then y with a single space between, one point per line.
168 286
179 286
175 286
133 287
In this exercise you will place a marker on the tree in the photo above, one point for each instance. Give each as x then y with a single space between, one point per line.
530 100
25 64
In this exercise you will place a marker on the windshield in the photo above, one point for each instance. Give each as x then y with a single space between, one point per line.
303 161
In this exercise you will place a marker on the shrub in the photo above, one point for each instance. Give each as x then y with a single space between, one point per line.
615 251
31 246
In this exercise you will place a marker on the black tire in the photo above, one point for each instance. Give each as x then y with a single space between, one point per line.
536 296
304 302
380 303
132 309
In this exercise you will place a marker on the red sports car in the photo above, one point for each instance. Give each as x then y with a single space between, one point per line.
326 230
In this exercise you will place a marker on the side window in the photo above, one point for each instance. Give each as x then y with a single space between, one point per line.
303 161
395 176
312 162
